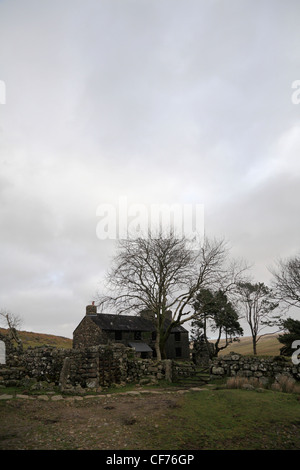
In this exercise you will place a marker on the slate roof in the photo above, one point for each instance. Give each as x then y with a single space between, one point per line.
109 322
140 347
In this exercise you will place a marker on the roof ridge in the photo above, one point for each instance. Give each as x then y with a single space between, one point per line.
110 321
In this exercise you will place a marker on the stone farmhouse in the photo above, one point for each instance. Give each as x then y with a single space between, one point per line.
137 332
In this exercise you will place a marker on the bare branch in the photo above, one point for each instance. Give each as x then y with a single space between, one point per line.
286 281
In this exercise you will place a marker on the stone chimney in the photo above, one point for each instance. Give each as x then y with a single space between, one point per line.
148 314
91 309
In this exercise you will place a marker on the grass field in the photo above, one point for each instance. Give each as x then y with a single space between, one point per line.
235 419
267 346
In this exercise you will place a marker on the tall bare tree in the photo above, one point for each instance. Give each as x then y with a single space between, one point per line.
286 281
160 273
257 302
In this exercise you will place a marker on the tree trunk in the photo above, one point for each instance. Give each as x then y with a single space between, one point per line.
157 345
160 344
254 345
162 349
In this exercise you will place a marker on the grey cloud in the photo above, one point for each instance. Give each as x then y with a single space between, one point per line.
158 101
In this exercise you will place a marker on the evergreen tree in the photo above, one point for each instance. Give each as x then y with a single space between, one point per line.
292 328
215 312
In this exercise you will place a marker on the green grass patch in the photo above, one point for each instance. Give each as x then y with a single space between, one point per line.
231 420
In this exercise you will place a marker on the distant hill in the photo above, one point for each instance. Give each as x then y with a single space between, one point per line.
267 346
30 339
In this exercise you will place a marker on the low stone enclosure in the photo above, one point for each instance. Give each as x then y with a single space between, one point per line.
91 368
101 366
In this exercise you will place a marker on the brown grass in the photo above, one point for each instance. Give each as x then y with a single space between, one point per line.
30 339
286 384
283 383
267 346
238 382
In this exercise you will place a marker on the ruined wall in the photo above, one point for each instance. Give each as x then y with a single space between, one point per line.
95 367
41 363
92 368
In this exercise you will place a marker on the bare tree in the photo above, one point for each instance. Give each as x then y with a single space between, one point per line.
286 281
162 274
12 322
257 302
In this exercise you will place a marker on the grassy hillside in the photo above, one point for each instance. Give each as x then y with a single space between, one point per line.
30 339
267 346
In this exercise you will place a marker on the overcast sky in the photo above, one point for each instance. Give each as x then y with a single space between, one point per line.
157 101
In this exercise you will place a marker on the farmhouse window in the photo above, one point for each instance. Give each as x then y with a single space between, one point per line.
118 335
177 336
137 335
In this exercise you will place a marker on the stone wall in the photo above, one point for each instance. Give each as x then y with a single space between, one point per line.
41 364
265 369
148 370
101 366
95 367
91 368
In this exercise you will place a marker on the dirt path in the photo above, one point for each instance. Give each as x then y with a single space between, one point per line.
118 421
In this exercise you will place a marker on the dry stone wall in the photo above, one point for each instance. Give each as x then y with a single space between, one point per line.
101 366
265 369
94 367
91 368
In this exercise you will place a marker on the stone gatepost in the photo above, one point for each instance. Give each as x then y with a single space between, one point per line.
2 352
168 370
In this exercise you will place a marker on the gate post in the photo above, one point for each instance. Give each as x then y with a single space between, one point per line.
168 370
